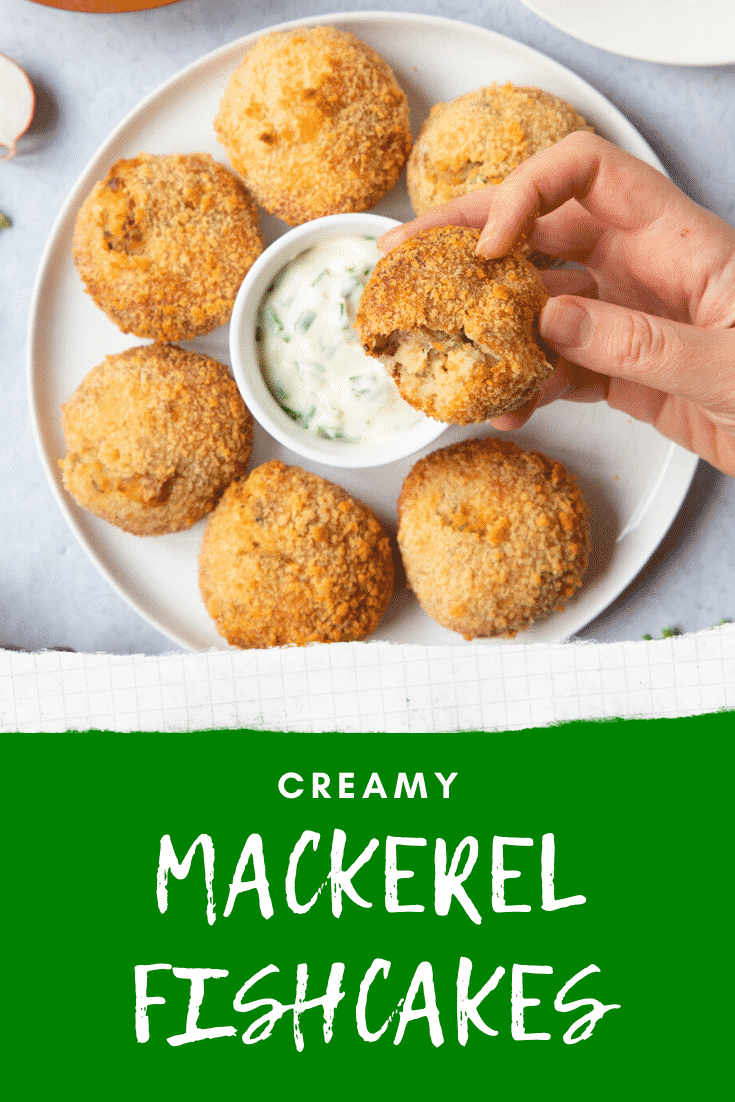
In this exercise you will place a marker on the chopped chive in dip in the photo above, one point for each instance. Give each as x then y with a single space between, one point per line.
306 320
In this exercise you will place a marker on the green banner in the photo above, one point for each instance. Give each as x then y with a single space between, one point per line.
237 914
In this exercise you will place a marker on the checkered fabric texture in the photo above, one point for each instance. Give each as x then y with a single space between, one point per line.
370 686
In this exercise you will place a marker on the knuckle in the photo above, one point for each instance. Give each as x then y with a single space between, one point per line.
641 340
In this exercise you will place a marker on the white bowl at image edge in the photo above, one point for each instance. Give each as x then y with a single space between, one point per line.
246 364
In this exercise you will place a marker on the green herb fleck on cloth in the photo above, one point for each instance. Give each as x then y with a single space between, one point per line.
4 221
671 633
666 633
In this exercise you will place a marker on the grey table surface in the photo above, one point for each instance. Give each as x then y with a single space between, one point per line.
88 72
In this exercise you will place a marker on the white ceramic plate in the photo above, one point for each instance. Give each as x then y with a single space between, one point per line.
633 479
673 32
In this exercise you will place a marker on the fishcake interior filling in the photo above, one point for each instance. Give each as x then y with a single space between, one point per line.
434 362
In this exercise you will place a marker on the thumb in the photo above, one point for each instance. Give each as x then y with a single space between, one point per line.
683 360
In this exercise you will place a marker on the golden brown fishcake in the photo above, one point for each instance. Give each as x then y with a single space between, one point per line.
493 538
315 123
164 242
154 435
288 557
481 137
457 332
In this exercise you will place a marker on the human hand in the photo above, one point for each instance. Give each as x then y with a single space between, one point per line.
649 325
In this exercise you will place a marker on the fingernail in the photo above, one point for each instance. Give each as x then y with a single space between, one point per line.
564 324
390 239
487 237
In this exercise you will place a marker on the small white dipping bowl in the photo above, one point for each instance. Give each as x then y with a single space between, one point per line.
246 363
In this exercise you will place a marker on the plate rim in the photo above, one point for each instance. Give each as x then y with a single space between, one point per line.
680 458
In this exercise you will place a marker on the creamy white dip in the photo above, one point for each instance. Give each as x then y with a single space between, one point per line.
310 355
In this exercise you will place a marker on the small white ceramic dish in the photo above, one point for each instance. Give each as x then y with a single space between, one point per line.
246 364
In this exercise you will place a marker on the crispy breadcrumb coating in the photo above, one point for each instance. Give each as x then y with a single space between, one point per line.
288 557
164 242
154 435
456 332
493 538
478 140
315 123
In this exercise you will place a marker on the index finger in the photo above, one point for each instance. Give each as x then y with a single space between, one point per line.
612 185
468 210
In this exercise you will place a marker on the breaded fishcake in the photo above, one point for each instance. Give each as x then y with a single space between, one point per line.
288 557
164 242
154 435
493 538
315 123
481 137
456 332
